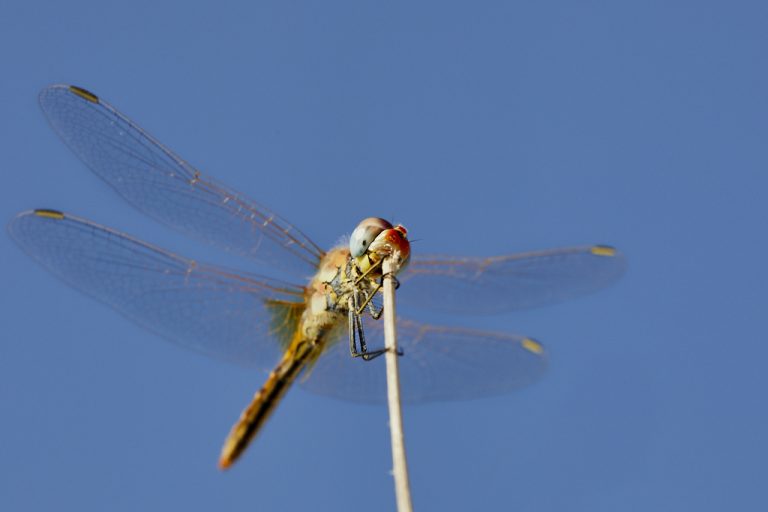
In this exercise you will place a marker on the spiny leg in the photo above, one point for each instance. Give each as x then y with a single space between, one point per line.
352 326
391 276
356 330
369 297
376 313
371 269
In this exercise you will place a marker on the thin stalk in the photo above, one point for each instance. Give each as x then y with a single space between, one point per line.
399 463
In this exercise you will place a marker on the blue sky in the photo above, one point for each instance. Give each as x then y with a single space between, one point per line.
486 129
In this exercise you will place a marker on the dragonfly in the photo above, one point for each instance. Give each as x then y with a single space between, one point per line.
298 330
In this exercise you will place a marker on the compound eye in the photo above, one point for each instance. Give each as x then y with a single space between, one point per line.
365 233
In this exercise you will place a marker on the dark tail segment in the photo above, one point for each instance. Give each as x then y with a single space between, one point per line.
264 402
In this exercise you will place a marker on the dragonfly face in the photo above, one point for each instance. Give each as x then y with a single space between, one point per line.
294 328
365 233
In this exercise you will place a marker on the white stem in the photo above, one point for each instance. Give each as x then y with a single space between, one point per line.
399 463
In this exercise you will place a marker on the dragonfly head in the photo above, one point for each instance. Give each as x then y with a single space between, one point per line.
377 238
393 243
365 233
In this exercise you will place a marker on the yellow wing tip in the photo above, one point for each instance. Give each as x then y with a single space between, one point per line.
532 345
49 214
84 93
603 250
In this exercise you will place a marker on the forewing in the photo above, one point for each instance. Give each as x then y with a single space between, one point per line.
438 364
234 316
163 185
505 283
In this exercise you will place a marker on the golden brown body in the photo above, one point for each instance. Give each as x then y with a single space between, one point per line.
317 326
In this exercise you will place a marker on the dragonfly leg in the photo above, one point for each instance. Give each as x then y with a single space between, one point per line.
351 325
375 313
367 302
360 330
371 269
391 276
372 309
364 353
356 331
357 334
373 354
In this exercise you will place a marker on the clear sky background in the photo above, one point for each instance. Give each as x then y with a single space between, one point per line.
486 128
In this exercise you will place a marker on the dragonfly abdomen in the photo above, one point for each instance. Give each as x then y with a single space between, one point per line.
266 399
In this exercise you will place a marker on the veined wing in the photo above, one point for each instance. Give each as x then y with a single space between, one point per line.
505 283
438 364
203 307
161 184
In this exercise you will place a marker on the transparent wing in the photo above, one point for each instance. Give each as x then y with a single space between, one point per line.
247 319
206 308
439 364
505 283
161 184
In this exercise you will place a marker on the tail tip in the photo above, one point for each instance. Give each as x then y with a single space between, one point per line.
225 463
